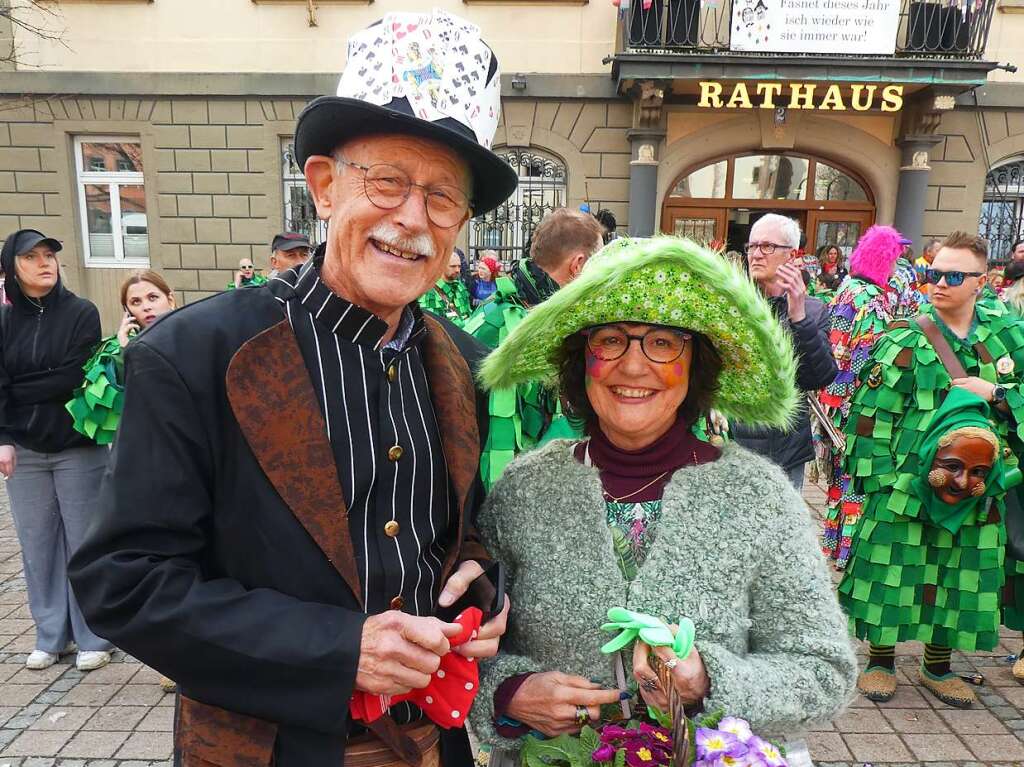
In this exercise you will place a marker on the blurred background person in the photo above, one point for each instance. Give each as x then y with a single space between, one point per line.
287 251
53 473
487 271
247 276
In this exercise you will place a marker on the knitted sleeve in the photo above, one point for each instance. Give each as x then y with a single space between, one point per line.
800 666
498 516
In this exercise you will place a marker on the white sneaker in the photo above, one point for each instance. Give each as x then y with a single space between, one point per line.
40 659
90 660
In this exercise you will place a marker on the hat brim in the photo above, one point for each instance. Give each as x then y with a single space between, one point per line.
664 281
328 121
38 238
293 245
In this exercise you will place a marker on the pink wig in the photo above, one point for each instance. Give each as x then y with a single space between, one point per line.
876 254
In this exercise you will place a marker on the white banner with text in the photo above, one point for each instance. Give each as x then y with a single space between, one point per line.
815 26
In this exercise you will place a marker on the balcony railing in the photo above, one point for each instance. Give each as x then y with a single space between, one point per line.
927 28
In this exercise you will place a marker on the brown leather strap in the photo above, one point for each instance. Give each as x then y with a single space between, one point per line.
370 751
392 736
941 347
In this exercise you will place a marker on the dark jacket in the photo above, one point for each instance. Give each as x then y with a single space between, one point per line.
816 369
220 554
43 345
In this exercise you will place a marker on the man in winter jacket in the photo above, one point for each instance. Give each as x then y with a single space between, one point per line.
772 240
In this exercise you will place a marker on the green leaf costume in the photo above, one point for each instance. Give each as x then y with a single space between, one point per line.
254 282
910 576
448 299
96 405
518 416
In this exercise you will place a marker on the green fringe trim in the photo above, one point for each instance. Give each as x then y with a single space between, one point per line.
97 404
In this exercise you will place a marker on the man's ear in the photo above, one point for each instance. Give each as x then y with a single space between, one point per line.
319 171
576 264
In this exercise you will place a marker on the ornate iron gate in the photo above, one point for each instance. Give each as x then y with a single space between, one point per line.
507 230
299 210
1002 211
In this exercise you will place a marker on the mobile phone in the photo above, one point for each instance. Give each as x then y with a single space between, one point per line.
486 592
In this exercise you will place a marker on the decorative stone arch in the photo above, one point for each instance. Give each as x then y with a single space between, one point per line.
875 162
576 164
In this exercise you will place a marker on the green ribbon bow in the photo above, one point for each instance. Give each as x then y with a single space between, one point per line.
654 631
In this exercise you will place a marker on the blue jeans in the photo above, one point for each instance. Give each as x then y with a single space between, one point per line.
53 497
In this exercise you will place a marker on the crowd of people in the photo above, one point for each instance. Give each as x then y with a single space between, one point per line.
350 504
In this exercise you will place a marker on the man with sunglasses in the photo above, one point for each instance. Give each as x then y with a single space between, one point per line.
295 476
947 591
772 242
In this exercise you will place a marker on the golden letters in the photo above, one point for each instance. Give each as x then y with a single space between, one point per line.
818 96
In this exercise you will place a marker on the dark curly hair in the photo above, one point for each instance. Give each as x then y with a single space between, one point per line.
705 368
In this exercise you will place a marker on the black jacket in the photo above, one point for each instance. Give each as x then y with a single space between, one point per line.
217 555
43 345
816 369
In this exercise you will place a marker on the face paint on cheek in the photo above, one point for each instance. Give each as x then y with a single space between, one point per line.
673 373
596 368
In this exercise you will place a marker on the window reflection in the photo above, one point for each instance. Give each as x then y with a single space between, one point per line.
770 177
708 181
832 184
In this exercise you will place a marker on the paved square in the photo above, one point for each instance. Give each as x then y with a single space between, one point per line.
119 717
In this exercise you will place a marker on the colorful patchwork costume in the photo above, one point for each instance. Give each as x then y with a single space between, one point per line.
910 577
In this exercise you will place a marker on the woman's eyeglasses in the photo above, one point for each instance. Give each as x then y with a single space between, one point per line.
388 187
953 279
609 342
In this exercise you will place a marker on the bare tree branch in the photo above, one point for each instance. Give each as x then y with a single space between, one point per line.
31 19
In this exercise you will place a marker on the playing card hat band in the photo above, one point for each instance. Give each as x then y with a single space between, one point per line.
427 75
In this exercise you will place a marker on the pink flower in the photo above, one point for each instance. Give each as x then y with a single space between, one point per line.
603 753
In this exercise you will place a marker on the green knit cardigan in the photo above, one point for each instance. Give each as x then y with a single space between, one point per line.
735 550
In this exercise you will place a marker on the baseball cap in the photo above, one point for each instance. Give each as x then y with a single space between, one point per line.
29 238
289 241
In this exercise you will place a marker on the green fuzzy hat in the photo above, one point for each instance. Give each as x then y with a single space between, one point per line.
664 281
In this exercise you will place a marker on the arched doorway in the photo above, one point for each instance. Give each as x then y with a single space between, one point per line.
718 201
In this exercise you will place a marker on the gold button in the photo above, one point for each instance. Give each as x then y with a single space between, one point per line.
392 373
395 453
391 529
397 603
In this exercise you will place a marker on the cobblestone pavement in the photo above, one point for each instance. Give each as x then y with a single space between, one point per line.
119 717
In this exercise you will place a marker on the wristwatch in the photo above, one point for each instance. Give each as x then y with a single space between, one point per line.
999 394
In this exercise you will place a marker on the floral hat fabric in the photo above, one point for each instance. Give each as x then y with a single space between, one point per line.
664 281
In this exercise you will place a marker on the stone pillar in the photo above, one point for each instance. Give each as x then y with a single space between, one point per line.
912 192
643 181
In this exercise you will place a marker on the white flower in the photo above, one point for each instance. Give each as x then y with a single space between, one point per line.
660 276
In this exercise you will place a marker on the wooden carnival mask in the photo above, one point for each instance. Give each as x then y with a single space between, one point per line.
962 463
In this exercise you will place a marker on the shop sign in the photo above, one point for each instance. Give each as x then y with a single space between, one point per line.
842 27
815 96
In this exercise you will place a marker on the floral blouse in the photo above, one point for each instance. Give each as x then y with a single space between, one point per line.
632 526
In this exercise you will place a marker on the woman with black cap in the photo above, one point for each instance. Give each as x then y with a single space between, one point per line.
53 473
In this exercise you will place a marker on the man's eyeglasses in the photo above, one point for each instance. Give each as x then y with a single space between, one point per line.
609 342
953 279
766 248
388 187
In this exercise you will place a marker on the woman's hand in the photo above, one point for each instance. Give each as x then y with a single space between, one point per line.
128 326
689 677
8 460
548 702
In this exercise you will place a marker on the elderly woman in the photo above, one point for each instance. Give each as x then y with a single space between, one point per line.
642 514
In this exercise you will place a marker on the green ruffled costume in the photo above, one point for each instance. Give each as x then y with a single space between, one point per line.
518 417
909 578
96 405
448 299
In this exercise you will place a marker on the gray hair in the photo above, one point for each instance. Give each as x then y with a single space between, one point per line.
789 227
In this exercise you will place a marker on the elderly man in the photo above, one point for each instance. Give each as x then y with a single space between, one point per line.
291 493
287 251
772 241
247 276
450 296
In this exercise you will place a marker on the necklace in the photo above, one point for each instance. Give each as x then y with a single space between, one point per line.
621 498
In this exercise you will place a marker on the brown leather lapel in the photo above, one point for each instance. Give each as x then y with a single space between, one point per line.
454 399
275 406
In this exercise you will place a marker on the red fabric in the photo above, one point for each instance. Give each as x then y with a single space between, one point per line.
446 700
492 265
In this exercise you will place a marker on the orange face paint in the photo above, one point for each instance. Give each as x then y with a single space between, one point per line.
673 373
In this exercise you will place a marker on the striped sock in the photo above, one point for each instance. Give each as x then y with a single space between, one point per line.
936 659
882 656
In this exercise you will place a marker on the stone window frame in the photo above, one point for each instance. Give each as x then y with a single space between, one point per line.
84 177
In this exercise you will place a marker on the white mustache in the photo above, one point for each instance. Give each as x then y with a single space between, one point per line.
389 235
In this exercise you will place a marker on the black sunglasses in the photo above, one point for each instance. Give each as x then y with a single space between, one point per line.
953 279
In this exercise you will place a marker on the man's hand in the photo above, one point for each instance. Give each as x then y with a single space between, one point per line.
400 652
8 460
238 279
789 281
976 385
486 643
547 702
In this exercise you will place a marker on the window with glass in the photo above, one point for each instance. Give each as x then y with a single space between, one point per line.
299 211
112 201
1002 210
